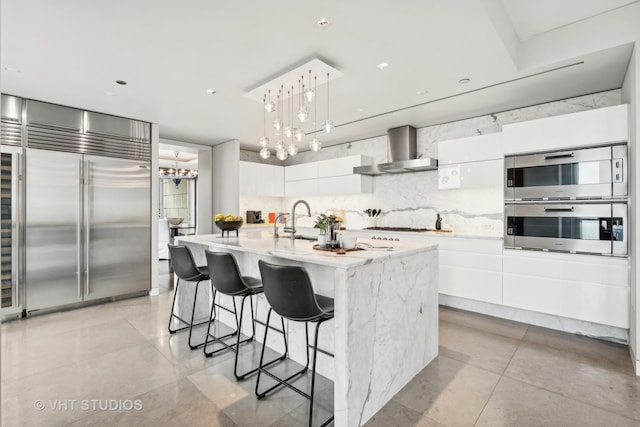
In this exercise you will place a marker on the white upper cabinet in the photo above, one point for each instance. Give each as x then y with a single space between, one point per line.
471 149
258 179
586 128
473 162
302 171
334 176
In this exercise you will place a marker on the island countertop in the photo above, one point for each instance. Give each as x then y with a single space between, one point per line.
262 242
385 325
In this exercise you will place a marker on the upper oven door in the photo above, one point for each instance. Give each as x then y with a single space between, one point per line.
593 173
598 228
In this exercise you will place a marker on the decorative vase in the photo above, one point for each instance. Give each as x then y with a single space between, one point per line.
322 240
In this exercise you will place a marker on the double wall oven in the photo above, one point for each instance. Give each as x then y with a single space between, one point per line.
569 201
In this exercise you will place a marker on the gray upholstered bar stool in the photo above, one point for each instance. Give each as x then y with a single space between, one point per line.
289 291
226 279
185 268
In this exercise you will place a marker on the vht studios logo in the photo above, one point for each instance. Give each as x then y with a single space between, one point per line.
88 405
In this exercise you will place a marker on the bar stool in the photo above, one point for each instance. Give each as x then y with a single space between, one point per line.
185 268
289 291
226 279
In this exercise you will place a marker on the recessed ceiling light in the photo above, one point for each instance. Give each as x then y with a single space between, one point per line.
382 65
360 110
464 81
422 92
121 82
323 23
108 93
211 91
11 69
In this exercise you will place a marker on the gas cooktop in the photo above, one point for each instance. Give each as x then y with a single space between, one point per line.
398 229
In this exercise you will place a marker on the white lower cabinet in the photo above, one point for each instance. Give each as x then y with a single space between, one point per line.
471 268
583 287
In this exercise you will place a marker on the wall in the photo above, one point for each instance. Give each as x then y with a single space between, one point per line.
630 96
225 172
413 199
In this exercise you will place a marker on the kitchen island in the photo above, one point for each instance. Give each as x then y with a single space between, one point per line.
385 328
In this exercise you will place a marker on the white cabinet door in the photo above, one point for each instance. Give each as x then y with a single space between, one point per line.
583 287
257 179
483 174
471 149
598 126
471 268
302 187
348 184
302 171
341 166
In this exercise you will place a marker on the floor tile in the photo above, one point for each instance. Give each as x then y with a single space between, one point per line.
117 375
174 404
514 403
476 347
30 355
396 415
578 376
494 325
449 391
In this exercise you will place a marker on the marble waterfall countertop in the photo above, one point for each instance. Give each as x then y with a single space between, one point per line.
261 242
385 329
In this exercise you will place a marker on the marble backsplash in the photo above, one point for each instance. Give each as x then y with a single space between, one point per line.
413 199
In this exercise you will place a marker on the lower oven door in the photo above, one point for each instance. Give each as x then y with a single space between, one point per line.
597 228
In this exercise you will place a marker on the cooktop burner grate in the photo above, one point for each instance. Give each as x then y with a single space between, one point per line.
398 229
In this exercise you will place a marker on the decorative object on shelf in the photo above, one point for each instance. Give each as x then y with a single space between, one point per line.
438 222
176 174
292 118
175 221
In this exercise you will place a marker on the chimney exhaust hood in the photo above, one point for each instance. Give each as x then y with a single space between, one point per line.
401 153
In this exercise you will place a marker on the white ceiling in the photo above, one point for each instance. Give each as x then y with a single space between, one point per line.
72 51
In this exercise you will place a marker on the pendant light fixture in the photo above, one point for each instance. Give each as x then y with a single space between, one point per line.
293 109
265 153
328 124
315 143
177 174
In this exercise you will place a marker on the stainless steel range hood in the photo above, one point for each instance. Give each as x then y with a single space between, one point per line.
401 153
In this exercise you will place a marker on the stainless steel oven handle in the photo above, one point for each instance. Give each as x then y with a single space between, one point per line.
559 209
559 156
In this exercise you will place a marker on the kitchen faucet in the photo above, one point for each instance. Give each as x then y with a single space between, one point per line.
293 216
275 225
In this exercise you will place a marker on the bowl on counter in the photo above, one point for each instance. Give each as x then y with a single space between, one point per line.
175 221
227 226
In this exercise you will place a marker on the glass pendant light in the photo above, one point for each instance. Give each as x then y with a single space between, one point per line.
315 143
292 129
303 113
309 94
292 149
269 105
277 123
265 153
282 154
279 145
299 135
287 129
328 124
264 140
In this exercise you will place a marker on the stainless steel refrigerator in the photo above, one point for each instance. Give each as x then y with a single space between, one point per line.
87 228
76 206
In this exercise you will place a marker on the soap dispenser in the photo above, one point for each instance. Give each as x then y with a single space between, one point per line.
438 222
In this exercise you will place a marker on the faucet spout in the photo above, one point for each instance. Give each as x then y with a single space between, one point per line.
293 216
275 225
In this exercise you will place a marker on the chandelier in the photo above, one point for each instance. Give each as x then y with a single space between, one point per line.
289 102
177 174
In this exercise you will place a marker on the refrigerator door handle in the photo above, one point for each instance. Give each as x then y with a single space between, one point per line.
86 221
79 228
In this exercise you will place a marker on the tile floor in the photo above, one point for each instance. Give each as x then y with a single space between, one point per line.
116 364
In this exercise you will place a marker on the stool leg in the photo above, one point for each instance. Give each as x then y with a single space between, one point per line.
175 294
313 377
193 313
214 338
